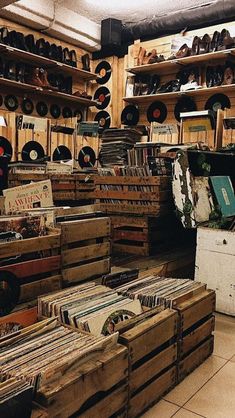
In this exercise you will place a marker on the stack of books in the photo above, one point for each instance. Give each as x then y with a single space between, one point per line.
115 146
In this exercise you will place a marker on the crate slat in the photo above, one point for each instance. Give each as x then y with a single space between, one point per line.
86 271
85 253
74 231
195 337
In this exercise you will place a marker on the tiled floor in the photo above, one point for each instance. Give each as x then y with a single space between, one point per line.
209 391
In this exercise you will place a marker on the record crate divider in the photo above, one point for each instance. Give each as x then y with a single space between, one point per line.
85 249
96 388
152 349
40 272
196 325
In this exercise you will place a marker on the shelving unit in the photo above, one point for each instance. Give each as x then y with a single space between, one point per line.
199 92
168 65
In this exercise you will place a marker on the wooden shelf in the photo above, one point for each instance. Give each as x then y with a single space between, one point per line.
46 63
164 66
28 88
199 92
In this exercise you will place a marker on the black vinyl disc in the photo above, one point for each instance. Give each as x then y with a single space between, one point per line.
61 153
157 112
102 95
27 106
32 151
86 157
218 101
11 102
103 70
78 114
104 120
42 109
130 115
67 112
5 148
184 104
55 111
9 292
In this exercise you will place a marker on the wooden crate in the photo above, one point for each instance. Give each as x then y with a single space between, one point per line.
39 271
19 179
152 351
22 316
142 195
63 186
85 249
195 336
195 358
97 388
85 187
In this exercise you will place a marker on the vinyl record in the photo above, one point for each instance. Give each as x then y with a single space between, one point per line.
10 292
61 153
104 120
11 102
218 101
42 109
67 112
157 112
27 106
184 104
55 111
102 95
5 148
78 114
86 157
32 151
103 70
130 115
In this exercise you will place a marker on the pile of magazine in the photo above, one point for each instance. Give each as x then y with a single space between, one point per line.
89 307
154 291
115 145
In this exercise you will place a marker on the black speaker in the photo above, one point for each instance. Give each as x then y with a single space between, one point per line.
111 32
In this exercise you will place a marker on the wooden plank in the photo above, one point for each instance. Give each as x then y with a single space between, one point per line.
153 209
34 267
131 249
156 196
129 180
63 195
30 245
122 220
120 234
196 308
194 338
138 377
24 317
27 177
75 388
152 393
63 186
149 335
84 229
194 359
85 253
86 271
32 290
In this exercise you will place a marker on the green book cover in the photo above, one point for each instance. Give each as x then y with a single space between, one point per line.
224 193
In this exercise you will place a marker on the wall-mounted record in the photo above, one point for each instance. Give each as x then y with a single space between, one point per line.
61 153
218 101
67 112
27 106
11 102
104 120
78 114
55 111
5 148
184 104
130 115
32 151
86 157
102 96
10 292
41 109
157 112
103 70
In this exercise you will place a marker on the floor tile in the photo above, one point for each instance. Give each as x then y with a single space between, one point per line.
217 398
192 383
233 359
224 336
162 409
183 413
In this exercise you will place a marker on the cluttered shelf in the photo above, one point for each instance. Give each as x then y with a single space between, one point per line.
197 92
46 62
175 64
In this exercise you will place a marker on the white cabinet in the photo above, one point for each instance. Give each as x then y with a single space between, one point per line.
215 265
